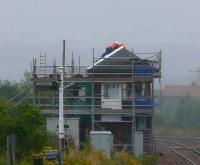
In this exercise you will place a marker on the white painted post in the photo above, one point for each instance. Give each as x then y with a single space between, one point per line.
61 119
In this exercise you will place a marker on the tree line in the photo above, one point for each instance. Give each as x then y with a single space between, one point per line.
180 112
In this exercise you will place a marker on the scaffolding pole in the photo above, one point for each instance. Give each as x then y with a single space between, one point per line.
153 115
160 82
63 55
133 106
92 110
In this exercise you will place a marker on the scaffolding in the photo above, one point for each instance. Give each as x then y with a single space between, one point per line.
113 93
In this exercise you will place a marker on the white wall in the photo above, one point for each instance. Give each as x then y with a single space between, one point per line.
73 130
102 141
110 118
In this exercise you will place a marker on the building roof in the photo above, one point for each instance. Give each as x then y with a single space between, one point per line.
182 90
119 56
122 61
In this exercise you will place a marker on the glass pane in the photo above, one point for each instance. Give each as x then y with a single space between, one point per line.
115 93
107 90
141 123
111 90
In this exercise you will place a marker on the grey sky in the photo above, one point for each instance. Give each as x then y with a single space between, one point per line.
28 27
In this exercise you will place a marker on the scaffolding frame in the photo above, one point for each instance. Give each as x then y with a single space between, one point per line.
79 74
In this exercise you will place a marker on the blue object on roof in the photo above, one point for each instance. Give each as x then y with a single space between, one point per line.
145 70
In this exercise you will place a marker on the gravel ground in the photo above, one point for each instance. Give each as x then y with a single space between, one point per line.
168 157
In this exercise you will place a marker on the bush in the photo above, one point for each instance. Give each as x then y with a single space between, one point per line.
2 158
123 158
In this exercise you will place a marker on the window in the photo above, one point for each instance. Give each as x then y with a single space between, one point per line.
111 90
141 123
140 89
126 91
149 122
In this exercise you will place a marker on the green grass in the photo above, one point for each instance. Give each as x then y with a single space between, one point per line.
148 160
90 157
2 159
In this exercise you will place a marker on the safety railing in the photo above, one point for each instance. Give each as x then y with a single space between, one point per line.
117 70
81 102
113 65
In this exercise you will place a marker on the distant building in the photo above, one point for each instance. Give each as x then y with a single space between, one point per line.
192 90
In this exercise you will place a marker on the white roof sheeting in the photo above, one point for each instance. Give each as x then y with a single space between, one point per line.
119 52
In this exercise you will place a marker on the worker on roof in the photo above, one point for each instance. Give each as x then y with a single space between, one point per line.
112 47
115 45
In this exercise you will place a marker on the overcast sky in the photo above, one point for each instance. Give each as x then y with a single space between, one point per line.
31 27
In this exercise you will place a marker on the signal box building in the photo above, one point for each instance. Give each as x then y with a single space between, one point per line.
115 93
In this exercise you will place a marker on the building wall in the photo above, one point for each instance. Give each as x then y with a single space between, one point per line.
182 90
71 128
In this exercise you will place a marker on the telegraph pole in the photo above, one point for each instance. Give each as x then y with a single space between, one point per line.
61 119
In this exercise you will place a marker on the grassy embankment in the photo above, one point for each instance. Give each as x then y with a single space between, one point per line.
90 157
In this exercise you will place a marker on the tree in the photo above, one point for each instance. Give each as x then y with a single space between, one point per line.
30 128
27 123
182 112
7 123
8 89
188 112
16 91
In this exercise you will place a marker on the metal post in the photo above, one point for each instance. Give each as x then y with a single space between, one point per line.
92 114
63 58
72 64
79 64
34 94
133 106
160 84
33 84
9 162
61 118
11 149
45 62
153 115
160 97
